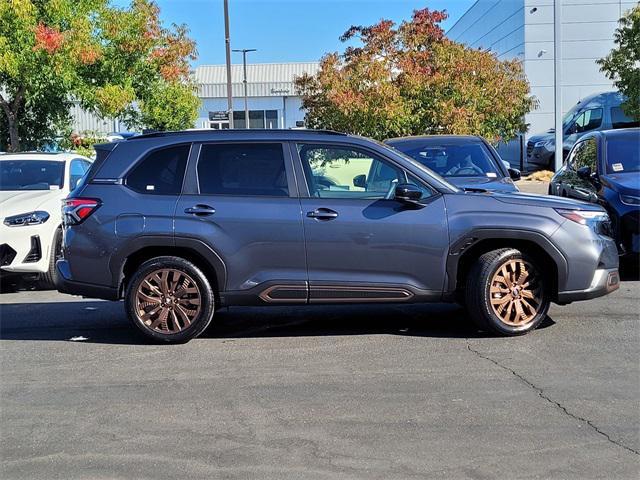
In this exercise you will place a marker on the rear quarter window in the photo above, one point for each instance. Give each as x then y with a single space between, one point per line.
160 172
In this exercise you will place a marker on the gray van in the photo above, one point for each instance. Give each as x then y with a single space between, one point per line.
600 111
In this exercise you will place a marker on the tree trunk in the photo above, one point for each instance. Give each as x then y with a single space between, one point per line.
14 138
11 113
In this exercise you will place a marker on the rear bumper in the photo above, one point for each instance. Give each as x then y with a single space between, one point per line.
604 282
66 285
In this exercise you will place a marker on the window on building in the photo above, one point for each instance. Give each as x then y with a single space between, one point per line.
619 119
243 169
238 120
257 119
271 119
161 172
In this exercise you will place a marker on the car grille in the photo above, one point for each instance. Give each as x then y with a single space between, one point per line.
7 254
529 148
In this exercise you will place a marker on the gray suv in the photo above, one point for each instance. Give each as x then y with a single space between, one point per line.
183 223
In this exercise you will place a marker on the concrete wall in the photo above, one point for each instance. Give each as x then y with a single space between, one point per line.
497 25
524 29
587 34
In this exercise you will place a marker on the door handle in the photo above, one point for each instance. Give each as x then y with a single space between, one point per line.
323 214
200 210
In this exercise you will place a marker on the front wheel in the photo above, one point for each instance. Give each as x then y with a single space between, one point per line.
506 293
169 299
47 280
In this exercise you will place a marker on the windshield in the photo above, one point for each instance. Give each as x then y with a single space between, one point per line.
418 165
31 175
454 159
623 156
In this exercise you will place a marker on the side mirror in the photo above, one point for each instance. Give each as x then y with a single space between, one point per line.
584 173
514 173
408 192
360 181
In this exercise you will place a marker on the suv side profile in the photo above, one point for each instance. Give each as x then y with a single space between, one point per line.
182 223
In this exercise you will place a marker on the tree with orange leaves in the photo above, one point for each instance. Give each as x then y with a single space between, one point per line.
117 62
411 80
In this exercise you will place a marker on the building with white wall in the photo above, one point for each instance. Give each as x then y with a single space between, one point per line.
523 29
272 100
271 95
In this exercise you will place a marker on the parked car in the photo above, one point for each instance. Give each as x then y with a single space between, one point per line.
600 111
32 186
604 168
464 160
182 223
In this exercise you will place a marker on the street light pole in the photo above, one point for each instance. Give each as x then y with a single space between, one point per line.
244 81
227 42
557 84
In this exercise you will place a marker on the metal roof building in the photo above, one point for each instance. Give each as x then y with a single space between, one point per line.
270 91
271 98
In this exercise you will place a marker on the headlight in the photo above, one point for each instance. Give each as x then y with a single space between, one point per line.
599 222
543 143
629 200
24 219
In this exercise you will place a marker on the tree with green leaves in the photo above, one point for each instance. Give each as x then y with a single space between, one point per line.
411 80
622 65
116 62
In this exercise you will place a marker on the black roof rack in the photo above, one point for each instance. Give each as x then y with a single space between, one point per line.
231 130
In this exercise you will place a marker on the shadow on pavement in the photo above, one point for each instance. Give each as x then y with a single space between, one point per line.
106 322
630 268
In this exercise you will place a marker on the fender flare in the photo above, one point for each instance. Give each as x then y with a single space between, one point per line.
475 236
118 260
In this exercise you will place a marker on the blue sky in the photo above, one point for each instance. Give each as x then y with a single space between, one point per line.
287 30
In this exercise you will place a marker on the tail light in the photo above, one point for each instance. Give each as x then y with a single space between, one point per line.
76 210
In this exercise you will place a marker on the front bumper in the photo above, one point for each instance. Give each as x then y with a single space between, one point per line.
538 158
26 249
604 282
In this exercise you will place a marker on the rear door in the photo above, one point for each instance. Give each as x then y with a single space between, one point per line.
362 245
241 200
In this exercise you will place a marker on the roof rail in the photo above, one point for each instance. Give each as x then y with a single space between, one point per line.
230 130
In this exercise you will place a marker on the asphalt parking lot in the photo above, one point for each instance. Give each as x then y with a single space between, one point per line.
340 392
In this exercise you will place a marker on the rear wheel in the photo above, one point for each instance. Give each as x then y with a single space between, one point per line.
169 299
506 293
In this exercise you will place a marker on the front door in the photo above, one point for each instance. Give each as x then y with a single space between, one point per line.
362 245
241 200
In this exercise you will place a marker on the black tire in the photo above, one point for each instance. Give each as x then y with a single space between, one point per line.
198 323
47 280
479 281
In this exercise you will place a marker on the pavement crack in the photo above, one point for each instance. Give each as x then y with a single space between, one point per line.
555 403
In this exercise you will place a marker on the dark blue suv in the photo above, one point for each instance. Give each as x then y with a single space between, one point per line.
181 223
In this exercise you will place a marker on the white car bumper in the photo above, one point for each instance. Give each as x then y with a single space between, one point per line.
26 249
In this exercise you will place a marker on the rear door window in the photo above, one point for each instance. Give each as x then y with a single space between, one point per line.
161 172
243 169
619 119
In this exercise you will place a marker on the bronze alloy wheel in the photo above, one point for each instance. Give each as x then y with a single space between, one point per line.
167 301
516 293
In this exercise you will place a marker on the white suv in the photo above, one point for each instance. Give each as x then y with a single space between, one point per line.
32 186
